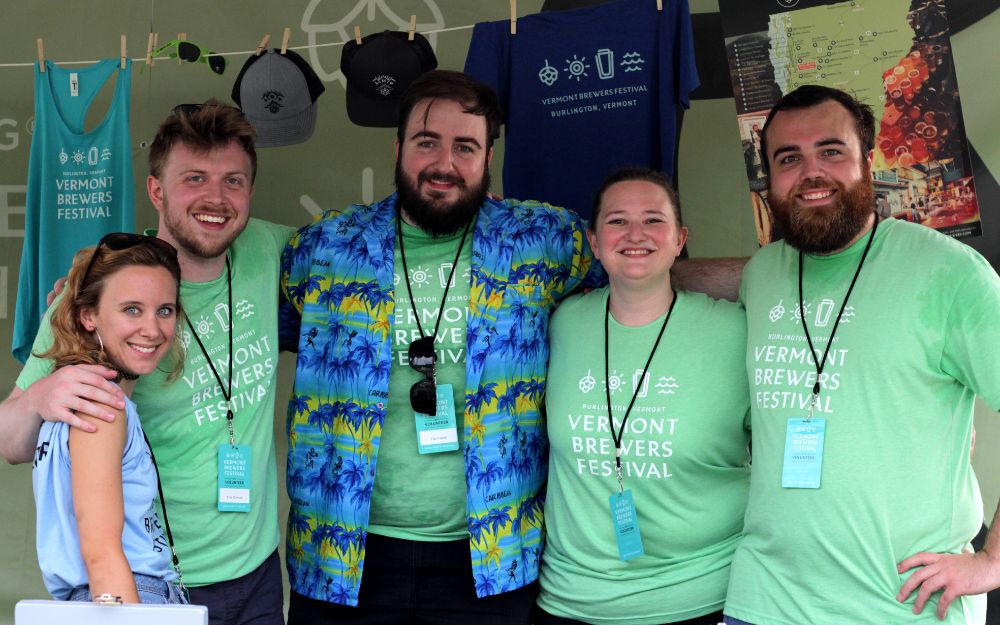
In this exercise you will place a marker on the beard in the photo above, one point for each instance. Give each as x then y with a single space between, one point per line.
188 240
434 215
825 229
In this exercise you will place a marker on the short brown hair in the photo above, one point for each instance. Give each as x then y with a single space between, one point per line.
475 97
72 344
642 174
203 127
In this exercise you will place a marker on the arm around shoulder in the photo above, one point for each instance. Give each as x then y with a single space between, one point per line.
715 277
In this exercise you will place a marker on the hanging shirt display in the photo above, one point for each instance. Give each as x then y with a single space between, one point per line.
80 183
585 92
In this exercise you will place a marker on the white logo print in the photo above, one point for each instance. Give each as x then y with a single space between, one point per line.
63 157
605 59
577 68
667 385
615 382
419 276
106 154
548 74
78 157
849 313
443 270
632 62
384 84
824 312
203 326
641 384
244 309
777 312
587 383
801 311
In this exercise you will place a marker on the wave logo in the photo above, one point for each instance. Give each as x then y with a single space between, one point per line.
632 62
667 385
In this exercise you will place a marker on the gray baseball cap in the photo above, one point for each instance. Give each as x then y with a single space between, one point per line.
277 93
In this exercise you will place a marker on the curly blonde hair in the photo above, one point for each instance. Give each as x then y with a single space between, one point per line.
73 344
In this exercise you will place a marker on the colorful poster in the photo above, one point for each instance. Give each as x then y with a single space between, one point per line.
894 55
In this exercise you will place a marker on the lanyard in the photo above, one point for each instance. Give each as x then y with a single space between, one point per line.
843 305
227 391
447 285
617 437
166 523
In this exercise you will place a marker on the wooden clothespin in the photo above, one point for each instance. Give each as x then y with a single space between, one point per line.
357 34
413 28
124 53
263 45
149 49
285 34
513 17
659 5
41 54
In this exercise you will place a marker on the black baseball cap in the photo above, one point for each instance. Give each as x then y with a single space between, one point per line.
378 72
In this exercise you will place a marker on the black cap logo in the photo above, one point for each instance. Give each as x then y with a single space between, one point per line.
384 84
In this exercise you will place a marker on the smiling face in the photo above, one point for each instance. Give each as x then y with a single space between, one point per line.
441 166
636 235
136 317
203 198
820 187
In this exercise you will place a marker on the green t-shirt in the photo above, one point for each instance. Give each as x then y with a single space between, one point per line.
422 496
684 457
918 339
186 420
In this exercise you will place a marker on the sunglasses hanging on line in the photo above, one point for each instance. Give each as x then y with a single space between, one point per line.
192 53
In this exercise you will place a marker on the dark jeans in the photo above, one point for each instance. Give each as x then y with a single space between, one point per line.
735 621
421 583
544 618
254 599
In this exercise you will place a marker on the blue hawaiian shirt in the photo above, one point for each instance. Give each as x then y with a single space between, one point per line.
337 280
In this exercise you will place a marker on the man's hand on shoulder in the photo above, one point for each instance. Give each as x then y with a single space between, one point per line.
85 389
954 574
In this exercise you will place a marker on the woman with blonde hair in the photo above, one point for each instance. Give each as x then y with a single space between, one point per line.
98 532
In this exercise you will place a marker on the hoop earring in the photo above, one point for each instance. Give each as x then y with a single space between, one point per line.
99 341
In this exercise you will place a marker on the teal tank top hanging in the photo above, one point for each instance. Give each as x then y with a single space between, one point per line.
80 184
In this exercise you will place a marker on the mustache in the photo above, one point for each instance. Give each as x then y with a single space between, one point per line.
425 176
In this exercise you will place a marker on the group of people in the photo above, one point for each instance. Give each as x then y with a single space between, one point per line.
461 450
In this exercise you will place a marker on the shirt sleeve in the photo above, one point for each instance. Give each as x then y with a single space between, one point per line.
296 261
36 368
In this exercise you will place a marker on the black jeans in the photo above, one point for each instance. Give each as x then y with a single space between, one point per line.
254 599
544 618
421 583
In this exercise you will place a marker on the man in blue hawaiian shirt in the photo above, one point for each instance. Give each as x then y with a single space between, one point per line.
416 445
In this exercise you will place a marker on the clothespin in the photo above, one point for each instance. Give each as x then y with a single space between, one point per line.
513 17
263 45
149 49
413 28
284 39
41 55
659 5
124 53
357 34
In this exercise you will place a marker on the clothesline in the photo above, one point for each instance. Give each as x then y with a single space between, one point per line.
239 53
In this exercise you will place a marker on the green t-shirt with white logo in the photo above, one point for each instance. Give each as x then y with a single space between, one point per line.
186 420
422 496
684 457
918 339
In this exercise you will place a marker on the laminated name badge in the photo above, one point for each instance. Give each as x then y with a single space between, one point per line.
803 465
626 525
234 478
438 433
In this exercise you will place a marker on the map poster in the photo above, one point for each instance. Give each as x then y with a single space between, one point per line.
894 55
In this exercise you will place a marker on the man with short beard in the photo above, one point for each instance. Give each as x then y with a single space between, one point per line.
863 374
202 166
434 301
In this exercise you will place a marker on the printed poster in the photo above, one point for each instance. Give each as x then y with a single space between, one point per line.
894 55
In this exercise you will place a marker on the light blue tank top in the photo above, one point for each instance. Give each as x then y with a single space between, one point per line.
58 540
80 183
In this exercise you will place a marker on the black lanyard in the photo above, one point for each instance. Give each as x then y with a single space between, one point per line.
227 391
166 523
447 285
836 323
617 437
